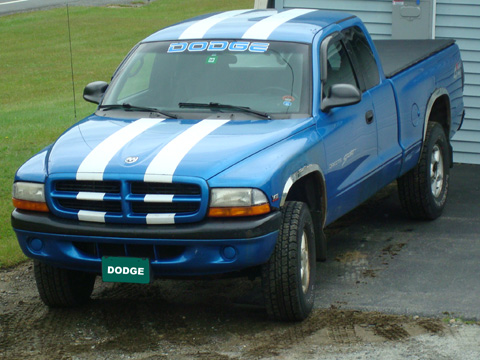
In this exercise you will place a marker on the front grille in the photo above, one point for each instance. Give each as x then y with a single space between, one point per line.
162 188
129 201
164 208
103 206
88 186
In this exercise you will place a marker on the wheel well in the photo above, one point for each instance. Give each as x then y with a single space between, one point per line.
310 189
441 114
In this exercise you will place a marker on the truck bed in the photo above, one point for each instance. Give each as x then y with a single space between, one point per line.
398 55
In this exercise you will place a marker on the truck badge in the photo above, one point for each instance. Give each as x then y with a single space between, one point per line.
131 159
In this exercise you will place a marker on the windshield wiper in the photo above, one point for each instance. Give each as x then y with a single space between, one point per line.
129 107
213 105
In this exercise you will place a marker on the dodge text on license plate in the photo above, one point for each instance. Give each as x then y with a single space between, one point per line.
125 270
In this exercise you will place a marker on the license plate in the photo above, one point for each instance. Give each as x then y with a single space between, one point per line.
126 270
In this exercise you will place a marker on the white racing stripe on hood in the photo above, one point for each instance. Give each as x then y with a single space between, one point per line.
198 29
163 166
93 166
262 29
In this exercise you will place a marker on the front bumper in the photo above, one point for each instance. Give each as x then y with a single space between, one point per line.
214 246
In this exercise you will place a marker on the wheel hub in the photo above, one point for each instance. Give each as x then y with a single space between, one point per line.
304 263
436 171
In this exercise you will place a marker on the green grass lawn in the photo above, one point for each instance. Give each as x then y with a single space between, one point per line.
36 102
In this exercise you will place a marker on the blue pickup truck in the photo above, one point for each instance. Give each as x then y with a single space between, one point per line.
225 144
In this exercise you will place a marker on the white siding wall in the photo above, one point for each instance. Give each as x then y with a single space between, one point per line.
460 19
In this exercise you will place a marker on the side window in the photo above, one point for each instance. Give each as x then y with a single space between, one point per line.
363 54
339 67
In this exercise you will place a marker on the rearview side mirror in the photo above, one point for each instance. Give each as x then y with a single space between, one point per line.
94 91
341 95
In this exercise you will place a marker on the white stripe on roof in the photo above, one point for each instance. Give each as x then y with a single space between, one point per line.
262 29
163 166
93 166
199 29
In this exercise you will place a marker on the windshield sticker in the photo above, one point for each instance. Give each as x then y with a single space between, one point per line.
212 59
199 46
288 100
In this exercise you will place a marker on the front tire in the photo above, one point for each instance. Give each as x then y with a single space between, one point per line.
423 190
61 287
288 278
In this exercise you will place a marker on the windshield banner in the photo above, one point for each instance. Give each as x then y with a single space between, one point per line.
199 46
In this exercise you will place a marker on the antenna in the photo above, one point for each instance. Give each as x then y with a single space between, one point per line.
71 63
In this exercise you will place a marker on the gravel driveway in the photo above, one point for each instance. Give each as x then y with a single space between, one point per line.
209 320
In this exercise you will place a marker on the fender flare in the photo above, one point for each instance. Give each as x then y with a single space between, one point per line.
301 173
431 101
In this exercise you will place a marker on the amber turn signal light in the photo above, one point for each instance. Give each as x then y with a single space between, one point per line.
30 205
239 211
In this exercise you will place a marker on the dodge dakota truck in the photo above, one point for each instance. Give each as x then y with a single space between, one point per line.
225 144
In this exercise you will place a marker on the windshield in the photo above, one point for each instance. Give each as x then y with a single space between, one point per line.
268 77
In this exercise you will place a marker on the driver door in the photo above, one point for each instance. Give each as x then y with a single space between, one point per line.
350 137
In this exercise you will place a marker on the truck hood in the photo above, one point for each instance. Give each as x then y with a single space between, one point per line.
159 149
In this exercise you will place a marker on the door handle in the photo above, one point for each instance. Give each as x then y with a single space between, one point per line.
369 117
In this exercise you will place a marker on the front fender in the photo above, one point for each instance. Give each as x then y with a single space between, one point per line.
34 169
275 169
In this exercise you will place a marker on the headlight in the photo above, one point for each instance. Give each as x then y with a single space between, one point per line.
29 196
228 202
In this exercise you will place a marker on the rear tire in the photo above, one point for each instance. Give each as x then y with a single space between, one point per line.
288 278
423 190
61 287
